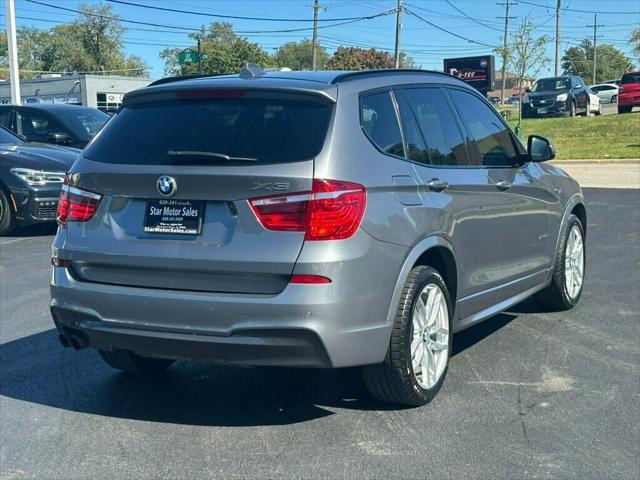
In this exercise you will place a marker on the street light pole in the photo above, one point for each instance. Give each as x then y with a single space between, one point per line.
557 65
14 74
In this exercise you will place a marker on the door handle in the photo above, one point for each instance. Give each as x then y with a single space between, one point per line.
503 185
437 185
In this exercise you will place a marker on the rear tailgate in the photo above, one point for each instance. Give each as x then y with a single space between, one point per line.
271 138
630 88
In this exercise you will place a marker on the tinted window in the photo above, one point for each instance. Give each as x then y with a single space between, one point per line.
439 128
492 144
415 145
547 84
5 116
35 126
270 131
85 122
630 78
380 122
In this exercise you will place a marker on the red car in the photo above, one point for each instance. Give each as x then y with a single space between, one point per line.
629 94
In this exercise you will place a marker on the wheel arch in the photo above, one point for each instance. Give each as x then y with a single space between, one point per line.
434 251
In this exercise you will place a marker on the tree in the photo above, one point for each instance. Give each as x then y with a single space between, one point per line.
611 62
91 43
524 54
353 58
222 52
298 55
635 43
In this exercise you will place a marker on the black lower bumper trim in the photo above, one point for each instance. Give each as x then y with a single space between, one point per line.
259 347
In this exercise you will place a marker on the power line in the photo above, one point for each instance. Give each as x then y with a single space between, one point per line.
581 11
411 12
471 18
232 17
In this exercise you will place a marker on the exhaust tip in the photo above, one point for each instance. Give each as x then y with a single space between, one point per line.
78 342
64 341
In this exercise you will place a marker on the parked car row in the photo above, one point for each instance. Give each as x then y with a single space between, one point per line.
38 145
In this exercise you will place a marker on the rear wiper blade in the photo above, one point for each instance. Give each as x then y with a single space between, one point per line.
197 153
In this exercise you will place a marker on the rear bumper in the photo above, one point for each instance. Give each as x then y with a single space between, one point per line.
629 100
291 347
340 324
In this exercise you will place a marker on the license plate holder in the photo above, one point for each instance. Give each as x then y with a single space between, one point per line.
174 217
542 110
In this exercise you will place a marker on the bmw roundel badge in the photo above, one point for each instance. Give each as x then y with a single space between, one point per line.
166 185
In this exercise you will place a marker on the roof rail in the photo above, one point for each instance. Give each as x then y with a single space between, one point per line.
385 71
181 78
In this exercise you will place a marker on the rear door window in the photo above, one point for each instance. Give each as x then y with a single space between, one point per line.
492 143
213 131
445 144
380 122
5 118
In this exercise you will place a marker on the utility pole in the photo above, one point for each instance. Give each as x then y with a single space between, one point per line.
557 67
314 42
200 36
14 74
506 4
396 54
595 39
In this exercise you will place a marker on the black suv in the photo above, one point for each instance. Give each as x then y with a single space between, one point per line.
61 124
554 96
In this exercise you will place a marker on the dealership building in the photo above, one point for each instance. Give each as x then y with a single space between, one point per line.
104 92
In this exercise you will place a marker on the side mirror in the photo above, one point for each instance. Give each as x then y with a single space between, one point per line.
539 149
59 138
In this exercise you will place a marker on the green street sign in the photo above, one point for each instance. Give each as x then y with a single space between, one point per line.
187 56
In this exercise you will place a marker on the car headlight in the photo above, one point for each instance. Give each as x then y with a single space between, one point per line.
38 177
562 97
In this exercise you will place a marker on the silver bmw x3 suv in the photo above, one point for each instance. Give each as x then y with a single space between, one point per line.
309 219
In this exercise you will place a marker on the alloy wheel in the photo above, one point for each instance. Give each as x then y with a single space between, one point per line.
574 263
430 336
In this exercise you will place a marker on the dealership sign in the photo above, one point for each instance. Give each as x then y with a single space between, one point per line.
479 72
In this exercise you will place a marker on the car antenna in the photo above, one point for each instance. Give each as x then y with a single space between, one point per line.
251 70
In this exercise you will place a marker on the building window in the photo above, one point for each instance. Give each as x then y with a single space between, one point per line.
108 102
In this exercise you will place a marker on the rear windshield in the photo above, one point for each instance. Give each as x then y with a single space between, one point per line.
631 78
246 130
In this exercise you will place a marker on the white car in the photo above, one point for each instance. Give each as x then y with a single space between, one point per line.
595 106
606 92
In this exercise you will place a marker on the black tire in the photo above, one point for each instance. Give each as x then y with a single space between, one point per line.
393 380
555 297
7 218
572 108
130 362
624 109
614 99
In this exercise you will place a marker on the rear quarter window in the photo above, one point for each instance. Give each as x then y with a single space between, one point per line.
380 122
269 131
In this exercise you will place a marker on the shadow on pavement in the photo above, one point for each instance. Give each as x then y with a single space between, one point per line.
37 369
36 230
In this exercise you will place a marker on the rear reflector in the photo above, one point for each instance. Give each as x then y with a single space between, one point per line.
76 205
333 210
310 279
59 262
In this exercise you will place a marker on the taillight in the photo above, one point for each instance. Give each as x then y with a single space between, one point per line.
76 205
333 210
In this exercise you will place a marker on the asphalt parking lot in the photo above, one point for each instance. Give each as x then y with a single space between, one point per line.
528 394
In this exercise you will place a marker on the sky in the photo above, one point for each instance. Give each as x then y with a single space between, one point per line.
479 22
